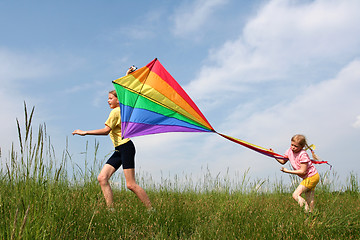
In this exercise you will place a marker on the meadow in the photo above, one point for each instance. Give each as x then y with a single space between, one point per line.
39 199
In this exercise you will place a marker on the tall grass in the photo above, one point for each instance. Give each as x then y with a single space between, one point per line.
40 200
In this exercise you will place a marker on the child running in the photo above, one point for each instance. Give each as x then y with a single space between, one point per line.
124 154
304 168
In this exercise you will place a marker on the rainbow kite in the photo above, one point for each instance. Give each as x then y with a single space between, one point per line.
151 102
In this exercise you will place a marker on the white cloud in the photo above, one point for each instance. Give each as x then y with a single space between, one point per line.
329 106
190 17
283 41
356 124
15 66
314 29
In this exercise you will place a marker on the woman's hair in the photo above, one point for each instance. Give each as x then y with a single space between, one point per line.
301 140
113 92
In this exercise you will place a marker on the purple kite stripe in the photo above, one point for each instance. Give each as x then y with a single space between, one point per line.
137 129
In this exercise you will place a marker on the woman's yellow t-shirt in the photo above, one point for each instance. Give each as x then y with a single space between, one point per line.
114 122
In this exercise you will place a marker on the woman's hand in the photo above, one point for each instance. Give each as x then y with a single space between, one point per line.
130 70
79 132
103 131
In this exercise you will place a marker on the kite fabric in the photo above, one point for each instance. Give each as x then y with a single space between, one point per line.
152 101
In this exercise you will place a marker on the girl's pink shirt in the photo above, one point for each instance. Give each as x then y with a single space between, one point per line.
301 157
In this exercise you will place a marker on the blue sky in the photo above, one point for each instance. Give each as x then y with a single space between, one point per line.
260 71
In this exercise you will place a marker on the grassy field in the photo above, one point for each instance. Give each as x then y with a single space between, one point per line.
38 200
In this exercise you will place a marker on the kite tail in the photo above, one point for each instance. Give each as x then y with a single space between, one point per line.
269 153
264 151
321 162
316 159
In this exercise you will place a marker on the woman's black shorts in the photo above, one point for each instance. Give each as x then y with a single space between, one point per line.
124 155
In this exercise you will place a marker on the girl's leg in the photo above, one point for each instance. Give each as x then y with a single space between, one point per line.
132 185
310 199
103 179
297 196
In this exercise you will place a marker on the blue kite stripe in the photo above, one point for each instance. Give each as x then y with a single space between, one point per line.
144 116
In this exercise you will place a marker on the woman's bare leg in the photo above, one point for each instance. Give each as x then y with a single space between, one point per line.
132 185
103 179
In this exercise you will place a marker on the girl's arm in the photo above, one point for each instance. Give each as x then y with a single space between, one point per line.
301 171
103 131
281 161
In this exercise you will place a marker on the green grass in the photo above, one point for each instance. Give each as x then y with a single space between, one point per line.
58 211
39 200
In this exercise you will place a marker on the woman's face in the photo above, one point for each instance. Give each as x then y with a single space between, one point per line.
295 147
113 101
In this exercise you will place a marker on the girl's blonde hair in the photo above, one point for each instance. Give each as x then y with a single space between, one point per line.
301 140
113 92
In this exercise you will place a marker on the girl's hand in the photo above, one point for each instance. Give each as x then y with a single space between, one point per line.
79 132
128 71
131 69
283 169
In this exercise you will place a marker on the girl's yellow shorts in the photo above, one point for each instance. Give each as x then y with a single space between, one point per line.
311 182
